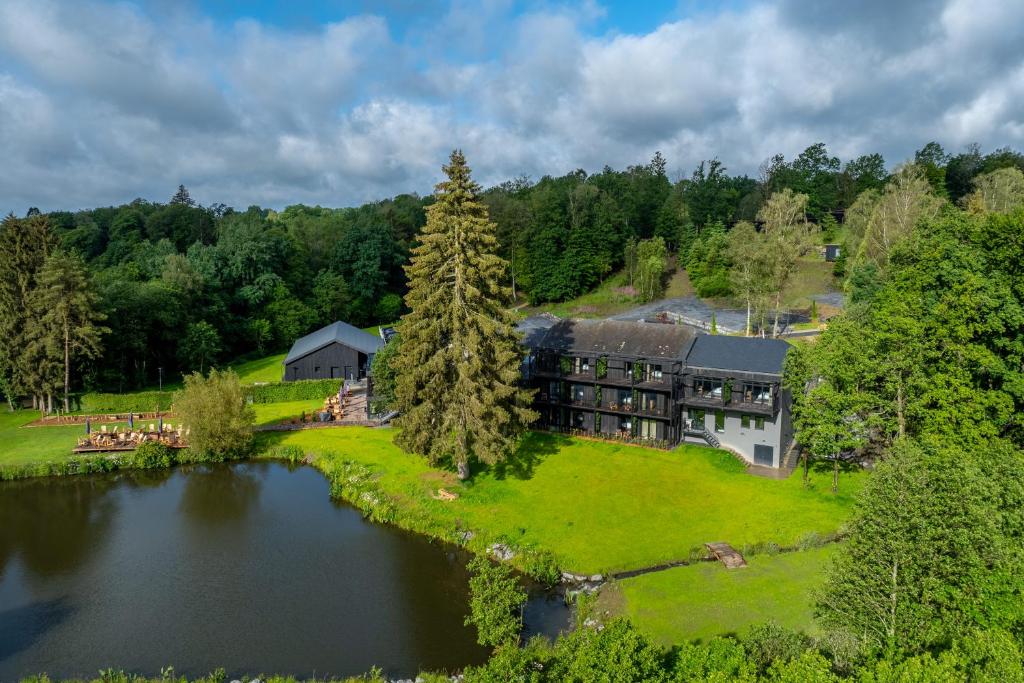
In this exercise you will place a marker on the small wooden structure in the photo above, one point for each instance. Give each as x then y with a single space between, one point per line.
726 554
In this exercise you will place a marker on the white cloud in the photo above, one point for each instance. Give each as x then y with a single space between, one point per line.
101 102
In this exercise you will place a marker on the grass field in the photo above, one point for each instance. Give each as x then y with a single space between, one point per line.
706 599
266 369
270 413
608 298
599 506
21 445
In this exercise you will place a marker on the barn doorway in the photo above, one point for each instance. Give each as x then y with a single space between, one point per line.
335 372
348 372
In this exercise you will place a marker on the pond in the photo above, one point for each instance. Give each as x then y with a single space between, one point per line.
250 567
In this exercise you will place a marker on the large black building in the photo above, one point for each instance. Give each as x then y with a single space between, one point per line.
337 351
662 383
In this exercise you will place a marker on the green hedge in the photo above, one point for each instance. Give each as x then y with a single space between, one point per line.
302 390
141 401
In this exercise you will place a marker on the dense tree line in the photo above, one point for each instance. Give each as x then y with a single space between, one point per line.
183 287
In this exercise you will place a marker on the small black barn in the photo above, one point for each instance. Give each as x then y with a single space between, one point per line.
337 351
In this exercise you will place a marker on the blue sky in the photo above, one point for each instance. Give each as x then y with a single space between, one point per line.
338 103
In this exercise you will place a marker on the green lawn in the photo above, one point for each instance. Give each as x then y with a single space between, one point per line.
706 599
600 506
270 413
21 445
266 369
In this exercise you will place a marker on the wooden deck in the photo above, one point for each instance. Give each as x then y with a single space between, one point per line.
727 555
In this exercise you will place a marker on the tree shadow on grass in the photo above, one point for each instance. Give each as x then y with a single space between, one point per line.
532 450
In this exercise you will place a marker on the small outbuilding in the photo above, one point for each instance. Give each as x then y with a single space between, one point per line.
338 351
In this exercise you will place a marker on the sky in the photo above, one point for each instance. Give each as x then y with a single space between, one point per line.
338 103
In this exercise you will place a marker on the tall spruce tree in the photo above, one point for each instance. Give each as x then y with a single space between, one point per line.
25 245
458 389
64 304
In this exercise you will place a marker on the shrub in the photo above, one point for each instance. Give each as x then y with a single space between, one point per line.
769 644
495 603
302 390
151 454
216 413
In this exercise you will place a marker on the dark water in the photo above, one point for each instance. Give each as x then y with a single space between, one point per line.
250 567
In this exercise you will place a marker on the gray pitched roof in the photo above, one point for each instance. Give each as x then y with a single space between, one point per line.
534 327
744 354
340 332
619 337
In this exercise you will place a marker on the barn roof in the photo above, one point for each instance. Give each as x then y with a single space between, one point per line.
744 354
339 332
619 337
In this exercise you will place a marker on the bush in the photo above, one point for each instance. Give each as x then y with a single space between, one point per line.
215 411
495 603
302 390
139 402
150 454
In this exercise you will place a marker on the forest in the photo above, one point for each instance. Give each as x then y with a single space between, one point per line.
113 298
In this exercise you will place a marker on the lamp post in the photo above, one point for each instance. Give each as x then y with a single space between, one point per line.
160 374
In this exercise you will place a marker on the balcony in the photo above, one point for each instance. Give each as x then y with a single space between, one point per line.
629 409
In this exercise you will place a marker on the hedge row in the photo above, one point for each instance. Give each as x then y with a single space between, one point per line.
147 456
140 402
302 390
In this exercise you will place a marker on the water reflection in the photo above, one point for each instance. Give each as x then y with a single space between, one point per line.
249 567
21 627
219 495
72 514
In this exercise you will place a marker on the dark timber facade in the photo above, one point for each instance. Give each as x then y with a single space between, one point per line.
338 351
662 384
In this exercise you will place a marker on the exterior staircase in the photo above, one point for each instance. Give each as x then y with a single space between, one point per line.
711 438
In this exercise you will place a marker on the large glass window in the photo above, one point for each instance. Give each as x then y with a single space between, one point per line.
719 421
648 429
626 426
755 392
649 372
577 393
758 423
695 417
580 365
745 421
648 402
707 388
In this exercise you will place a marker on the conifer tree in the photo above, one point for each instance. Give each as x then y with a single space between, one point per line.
64 304
25 245
458 388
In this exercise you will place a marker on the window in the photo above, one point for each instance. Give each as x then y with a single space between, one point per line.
758 423
745 421
625 426
648 402
554 391
648 429
316 369
650 372
580 365
625 399
577 393
719 421
695 418
707 388
579 420
754 392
